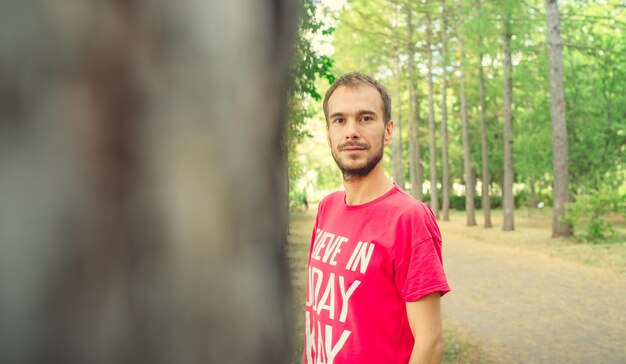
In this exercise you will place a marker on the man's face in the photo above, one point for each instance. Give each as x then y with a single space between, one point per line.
357 133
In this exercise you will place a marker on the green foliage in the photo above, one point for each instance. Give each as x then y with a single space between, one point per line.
541 196
372 36
296 133
521 198
594 70
458 202
306 68
588 214
308 65
297 200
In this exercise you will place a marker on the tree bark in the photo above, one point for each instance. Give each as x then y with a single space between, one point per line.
434 202
473 186
396 142
484 146
508 202
445 184
559 124
131 229
467 162
415 153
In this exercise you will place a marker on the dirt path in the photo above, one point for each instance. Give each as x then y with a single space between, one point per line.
526 307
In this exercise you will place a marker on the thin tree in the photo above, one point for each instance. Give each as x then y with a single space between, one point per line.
507 190
559 125
445 184
467 162
434 202
415 153
396 142
486 203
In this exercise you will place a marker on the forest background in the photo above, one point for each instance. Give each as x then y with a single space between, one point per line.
491 99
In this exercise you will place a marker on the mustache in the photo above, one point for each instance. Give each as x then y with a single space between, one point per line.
353 145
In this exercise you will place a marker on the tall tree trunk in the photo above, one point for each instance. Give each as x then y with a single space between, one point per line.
484 147
508 202
559 125
467 161
131 230
416 169
396 142
434 202
415 153
445 184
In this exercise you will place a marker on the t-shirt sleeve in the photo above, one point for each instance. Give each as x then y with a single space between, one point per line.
418 256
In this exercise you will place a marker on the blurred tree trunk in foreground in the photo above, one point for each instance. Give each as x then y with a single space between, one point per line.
141 181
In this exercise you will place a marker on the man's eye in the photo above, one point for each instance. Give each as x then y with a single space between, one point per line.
338 121
366 118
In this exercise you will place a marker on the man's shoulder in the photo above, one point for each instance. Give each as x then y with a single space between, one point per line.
416 218
407 204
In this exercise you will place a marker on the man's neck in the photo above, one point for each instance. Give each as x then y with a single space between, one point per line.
368 188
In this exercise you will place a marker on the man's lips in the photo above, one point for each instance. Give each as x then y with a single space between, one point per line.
352 148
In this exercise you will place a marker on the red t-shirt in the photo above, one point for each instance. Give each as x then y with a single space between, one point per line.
365 262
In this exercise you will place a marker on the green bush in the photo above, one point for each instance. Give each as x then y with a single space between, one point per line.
587 214
521 198
297 200
496 202
546 197
457 202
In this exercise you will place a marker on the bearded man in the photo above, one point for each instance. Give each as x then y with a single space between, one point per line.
375 268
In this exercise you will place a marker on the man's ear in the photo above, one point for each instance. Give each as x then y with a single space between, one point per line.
389 131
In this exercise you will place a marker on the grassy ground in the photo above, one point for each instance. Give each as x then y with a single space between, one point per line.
527 298
459 348
533 232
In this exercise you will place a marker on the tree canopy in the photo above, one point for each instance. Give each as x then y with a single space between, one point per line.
388 39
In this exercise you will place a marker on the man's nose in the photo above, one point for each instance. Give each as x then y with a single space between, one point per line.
352 129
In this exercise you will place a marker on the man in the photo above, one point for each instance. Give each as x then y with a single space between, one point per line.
375 272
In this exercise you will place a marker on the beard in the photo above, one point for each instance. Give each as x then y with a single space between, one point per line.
355 172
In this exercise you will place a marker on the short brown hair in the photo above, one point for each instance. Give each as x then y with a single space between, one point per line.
356 79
